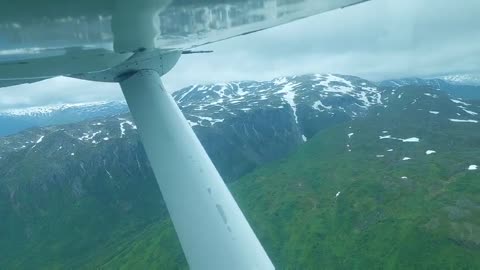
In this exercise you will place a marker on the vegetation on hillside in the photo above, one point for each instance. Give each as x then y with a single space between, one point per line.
360 195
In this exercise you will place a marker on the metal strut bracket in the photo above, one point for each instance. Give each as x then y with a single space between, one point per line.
213 232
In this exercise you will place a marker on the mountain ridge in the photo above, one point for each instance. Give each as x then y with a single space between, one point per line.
232 119
15 120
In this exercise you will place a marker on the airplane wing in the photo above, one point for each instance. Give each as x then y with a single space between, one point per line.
94 35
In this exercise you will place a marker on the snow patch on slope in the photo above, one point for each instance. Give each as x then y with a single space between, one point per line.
463 120
459 102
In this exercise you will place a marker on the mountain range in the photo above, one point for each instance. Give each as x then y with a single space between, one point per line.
233 119
15 120
331 170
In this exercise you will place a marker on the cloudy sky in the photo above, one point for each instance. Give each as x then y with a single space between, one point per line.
376 40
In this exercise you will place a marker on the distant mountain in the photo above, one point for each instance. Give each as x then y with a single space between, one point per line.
434 83
15 120
455 88
463 79
345 169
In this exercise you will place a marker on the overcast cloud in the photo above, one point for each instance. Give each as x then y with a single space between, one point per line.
376 40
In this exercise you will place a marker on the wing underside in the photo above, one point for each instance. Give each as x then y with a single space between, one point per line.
106 32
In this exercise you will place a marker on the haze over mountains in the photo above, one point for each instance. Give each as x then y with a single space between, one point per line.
330 170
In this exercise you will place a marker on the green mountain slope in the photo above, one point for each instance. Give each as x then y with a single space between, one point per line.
329 208
379 220
360 195
368 208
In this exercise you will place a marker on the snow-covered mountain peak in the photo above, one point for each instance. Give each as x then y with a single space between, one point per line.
463 79
49 109
15 120
322 92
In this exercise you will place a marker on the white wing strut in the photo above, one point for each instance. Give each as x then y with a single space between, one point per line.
213 232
